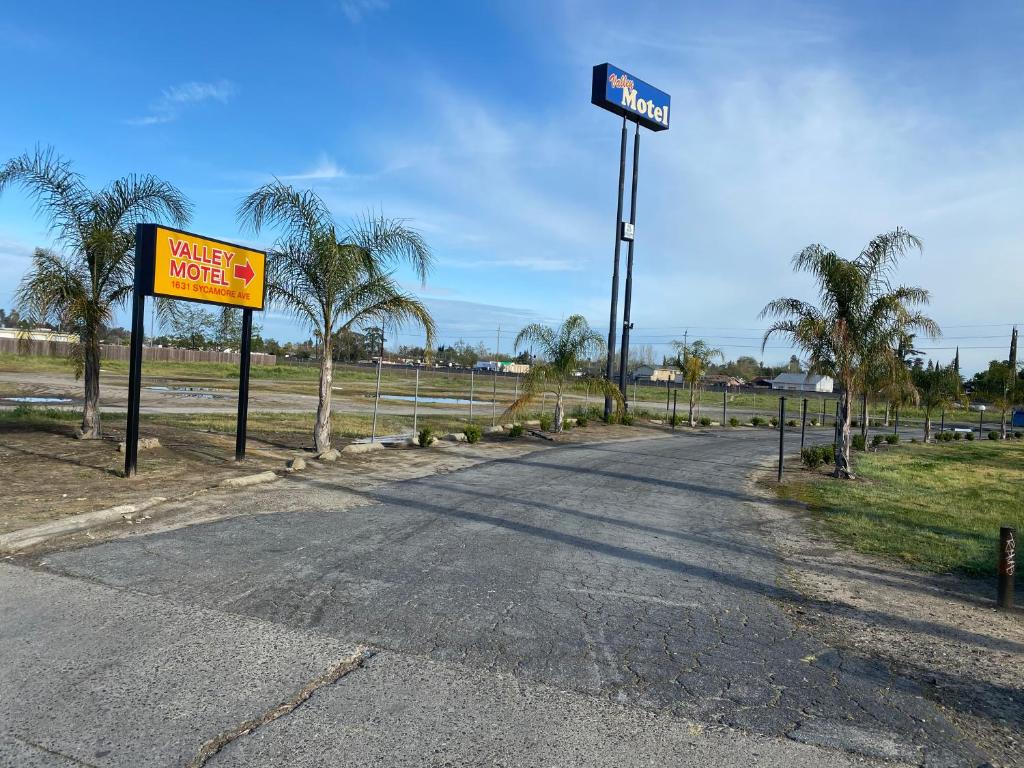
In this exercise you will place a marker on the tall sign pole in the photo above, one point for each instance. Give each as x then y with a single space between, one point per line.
614 315
628 235
619 92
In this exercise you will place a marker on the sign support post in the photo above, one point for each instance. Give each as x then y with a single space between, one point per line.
628 298
610 363
243 385
131 445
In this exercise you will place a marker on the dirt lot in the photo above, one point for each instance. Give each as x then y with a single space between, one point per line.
47 474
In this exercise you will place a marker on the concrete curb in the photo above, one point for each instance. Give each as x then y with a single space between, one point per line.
27 537
240 482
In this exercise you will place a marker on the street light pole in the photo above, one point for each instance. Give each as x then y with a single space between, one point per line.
614 314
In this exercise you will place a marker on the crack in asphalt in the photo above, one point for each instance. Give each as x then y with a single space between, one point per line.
334 673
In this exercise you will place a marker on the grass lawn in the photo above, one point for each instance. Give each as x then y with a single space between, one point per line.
936 507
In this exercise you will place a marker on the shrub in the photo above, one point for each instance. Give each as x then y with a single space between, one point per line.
858 442
945 436
814 422
516 431
705 421
676 420
828 453
892 439
1018 434
773 421
811 457
426 435
958 436
757 421
472 432
626 420
993 435
566 424
643 413
877 440
791 423
969 436
734 422
581 421
546 422
913 439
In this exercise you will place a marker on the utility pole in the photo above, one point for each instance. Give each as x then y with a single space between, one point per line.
376 399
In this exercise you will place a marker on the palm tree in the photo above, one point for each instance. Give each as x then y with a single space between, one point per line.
333 279
80 286
694 360
861 320
564 350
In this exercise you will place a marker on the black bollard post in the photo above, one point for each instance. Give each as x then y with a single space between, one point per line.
675 394
782 432
1007 567
803 424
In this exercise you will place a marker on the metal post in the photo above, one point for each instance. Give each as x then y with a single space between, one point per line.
1007 567
667 395
981 422
675 398
131 446
725 394
896 421
244 365
494 396
471 390
634 393
614 313
416 402
376 399
803 424
823 411
942 426
627 299
835 429
782 432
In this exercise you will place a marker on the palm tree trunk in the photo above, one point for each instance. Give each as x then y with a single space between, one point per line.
91 427
322 429
559 412
888 407
690 419
927 426
843 467
1002 424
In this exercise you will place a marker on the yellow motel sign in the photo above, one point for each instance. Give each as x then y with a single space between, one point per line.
184 265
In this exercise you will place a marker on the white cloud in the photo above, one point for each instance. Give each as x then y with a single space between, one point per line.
357 10
326 169
175 99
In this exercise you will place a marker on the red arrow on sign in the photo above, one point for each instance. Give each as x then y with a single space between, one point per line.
244 272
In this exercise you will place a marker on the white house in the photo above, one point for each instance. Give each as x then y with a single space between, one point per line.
802 382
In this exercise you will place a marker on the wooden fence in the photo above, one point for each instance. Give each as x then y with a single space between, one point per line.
118 352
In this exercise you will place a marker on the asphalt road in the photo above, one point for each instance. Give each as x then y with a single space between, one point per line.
602 604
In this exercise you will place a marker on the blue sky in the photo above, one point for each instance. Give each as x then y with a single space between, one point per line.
792 123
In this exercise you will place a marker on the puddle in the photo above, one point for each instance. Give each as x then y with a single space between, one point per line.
451 400
200 392
38 399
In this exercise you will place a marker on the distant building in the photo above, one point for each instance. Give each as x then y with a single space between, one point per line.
718 379
802 382
38 334
504 366
648 374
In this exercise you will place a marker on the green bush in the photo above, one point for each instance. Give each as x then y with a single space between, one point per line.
958 436
676 420
858 442
892 439
828 453
969 436
946 436
546 422
773 421
734 422
566 424
791 423
877 440
643 413
705 421
472 432
757 421
811 457
993 435
913 439
516 431
1018 434
814 422
581 421
626 420
426 435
